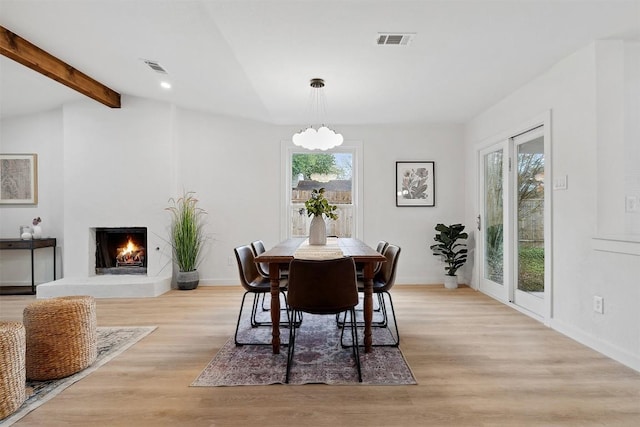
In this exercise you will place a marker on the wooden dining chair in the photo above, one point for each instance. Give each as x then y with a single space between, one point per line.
322 287
256 284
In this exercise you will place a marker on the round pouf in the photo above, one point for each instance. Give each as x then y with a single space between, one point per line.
61 336
12 370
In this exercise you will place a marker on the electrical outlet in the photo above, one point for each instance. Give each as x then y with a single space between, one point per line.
229 261
598 304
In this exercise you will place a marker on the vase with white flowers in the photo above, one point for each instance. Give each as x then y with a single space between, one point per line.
319 207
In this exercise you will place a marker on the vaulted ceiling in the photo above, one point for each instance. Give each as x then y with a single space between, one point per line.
254 59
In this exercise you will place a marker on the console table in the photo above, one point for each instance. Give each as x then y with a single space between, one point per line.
31 245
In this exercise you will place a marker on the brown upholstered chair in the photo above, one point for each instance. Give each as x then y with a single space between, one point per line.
253 283
382 245
258 248
322 287
263 267
383 281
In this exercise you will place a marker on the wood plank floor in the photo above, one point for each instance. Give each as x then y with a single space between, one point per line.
478 363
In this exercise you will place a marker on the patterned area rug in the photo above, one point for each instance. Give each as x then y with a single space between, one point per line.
112 341
318 358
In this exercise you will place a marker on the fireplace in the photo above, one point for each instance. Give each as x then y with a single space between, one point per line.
121 250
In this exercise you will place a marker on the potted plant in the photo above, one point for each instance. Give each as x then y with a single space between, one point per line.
187 238
452 252
318 205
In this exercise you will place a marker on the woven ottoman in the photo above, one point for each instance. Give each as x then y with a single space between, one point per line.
12 374
61 336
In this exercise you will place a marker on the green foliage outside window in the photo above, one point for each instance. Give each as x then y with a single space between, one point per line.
307 164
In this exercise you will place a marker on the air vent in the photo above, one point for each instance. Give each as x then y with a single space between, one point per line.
394 39
155 66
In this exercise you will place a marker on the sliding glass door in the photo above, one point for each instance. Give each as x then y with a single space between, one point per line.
513 224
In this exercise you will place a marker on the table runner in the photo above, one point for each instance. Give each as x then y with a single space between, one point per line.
318 252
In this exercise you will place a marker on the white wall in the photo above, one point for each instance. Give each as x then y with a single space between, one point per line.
411 228
122 165
41 134
571 90
119 172
234 165
632 131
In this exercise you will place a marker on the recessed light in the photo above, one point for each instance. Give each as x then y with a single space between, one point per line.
165 85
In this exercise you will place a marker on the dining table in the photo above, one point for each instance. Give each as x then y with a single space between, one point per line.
279 257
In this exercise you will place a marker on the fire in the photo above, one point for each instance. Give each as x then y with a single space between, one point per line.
131 255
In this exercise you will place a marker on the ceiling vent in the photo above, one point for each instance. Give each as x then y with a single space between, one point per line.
155 66
395 39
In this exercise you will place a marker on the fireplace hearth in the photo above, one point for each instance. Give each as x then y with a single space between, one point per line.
121 250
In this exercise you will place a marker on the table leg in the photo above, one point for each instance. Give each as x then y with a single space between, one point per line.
33 280
274 276
368 305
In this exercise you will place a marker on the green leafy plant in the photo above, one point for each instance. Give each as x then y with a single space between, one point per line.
318 205
187 230
453 253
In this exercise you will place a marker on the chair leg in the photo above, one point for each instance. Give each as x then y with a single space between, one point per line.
395 322
292 343
235 337
383 308
254 309
379 308
254 323
265 308
263 298
354 340
383 324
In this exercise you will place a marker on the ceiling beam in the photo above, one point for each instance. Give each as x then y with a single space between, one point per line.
15 47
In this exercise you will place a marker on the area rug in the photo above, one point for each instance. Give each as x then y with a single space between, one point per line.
318 358
112 341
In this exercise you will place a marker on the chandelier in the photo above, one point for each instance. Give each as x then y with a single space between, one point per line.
320 137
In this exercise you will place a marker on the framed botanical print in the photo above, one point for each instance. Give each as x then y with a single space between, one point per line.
19 179
415 184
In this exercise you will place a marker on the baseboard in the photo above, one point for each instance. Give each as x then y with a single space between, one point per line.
609 350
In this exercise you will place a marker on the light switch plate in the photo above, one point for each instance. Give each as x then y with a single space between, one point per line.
560 183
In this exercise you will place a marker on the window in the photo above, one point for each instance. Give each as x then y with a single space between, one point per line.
334 170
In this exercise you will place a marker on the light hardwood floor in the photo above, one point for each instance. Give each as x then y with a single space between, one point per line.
477 362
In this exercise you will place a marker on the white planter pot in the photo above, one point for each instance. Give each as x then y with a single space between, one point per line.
450 282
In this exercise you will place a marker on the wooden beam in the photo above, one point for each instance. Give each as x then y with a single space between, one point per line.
15 47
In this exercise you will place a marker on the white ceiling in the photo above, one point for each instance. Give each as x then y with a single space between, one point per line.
254 59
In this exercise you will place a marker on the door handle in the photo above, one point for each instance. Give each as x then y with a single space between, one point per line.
479 222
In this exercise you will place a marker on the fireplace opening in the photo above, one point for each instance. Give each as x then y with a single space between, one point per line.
121 250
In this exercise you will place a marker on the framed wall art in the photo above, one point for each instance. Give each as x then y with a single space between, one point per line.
19 179
415 184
